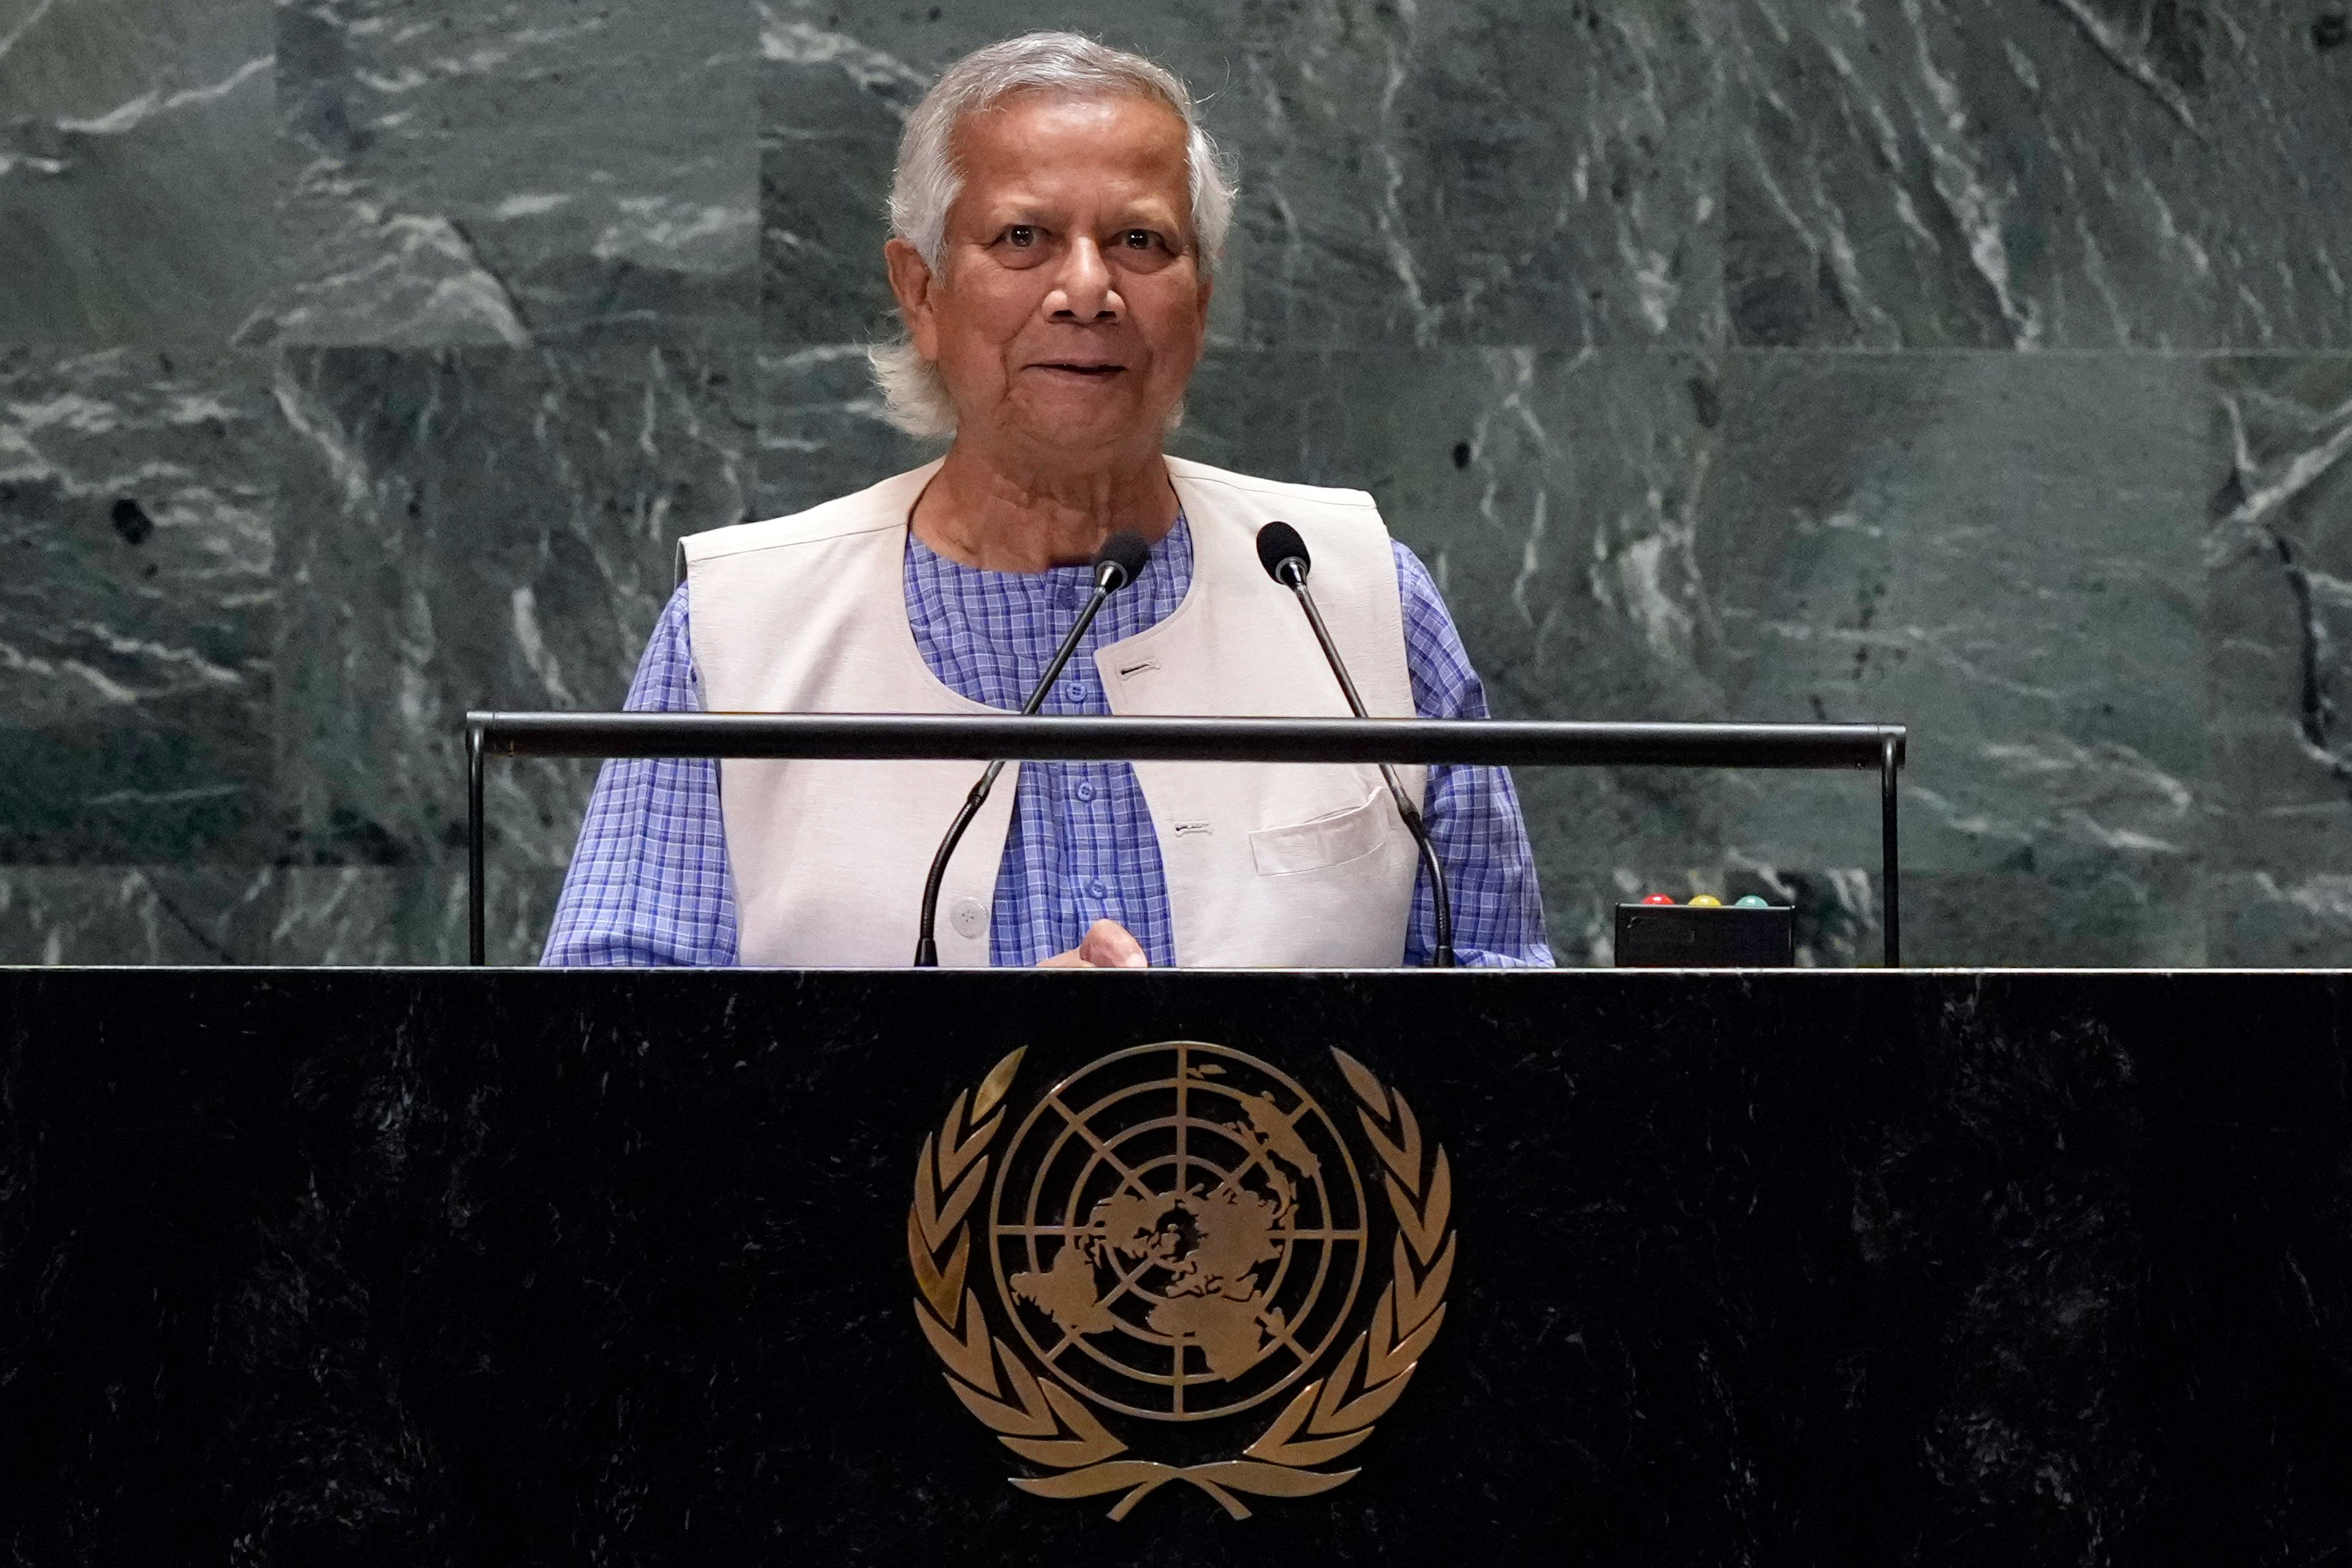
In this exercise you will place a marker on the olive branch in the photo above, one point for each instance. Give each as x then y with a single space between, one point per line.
1049 1425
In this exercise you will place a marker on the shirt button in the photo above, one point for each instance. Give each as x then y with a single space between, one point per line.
1085 790
1094 888
968 917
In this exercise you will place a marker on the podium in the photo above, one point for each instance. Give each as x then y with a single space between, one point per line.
996 737
482 1266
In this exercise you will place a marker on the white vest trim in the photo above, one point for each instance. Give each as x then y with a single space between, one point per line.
1283 865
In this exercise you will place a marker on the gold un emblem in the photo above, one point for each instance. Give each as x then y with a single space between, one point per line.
1178 1232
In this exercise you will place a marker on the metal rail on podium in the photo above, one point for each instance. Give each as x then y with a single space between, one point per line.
912 738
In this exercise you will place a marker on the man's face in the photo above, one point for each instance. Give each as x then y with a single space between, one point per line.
1068 310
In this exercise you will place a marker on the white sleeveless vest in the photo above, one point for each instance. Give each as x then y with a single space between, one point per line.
1284 864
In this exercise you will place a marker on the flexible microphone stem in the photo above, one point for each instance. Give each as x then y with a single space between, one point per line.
1292 573
1119 562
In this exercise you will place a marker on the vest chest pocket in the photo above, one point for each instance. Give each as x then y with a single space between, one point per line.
1331 839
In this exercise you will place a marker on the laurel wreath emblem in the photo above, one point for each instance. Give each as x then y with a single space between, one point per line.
1048 1425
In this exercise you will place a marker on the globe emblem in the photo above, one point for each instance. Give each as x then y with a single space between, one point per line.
1178 1231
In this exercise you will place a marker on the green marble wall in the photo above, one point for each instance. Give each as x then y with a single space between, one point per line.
1983 364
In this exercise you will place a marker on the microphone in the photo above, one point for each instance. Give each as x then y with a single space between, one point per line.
1284 555
1119 562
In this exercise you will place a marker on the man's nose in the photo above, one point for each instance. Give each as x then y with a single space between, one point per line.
1083 291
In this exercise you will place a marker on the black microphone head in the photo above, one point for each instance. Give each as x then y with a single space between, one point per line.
1278 544
1123 554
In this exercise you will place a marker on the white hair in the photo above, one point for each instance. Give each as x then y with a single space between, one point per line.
925 183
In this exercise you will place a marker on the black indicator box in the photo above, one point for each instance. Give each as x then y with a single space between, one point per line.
1677 936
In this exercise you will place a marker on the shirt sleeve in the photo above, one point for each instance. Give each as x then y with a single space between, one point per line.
1473 814
648 883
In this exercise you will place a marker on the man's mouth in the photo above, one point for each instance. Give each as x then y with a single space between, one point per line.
1071 367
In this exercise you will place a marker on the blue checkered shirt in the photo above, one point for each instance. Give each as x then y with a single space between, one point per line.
649 882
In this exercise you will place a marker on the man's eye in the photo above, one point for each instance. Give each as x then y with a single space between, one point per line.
1021 236
1139 239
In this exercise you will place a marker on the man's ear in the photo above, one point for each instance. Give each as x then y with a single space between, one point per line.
911 280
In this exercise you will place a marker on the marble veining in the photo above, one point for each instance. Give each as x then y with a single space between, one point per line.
2276 553
139 507
1540 174
2082 175
1967 364
467 531
534 171
135 177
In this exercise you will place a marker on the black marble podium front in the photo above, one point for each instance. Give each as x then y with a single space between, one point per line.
520 1267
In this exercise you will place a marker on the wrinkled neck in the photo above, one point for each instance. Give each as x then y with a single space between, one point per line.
982 511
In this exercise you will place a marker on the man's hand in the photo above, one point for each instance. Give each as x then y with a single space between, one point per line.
1107 945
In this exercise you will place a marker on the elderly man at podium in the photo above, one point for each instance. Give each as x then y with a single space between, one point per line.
1056 213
